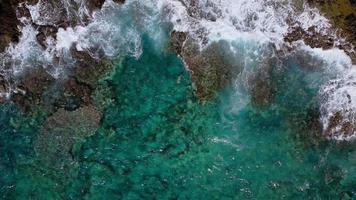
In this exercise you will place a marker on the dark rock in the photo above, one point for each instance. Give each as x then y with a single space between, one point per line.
261 91
72 103
89 70
79 90
200 10
339 127
177 40
215 68
351 21
8 23
310 37
119 1
32 84
341 14
97 4
44 32
4 89
211 69
10 12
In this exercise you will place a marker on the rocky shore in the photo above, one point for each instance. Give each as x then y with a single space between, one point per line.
342 14
211 70
68 101
31 84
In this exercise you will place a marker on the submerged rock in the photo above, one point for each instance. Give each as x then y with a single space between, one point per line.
62 130
261 89
31 85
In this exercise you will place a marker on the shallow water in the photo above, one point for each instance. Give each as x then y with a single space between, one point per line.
157 141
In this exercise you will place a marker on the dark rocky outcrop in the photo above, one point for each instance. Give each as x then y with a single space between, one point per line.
30 87
310 37
8 23
215 67
342 16
339 127
211 69
69 93
11 11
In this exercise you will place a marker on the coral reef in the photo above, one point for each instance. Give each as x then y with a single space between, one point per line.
62 130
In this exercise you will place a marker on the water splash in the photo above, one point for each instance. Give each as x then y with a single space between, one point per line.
268 22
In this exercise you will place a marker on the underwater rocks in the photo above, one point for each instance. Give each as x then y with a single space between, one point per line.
30 86
261 90
64 129
4 87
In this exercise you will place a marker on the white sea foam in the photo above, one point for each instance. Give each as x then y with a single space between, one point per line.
338 94
110 30
267 21
262 20
25 54
117 29
334 60
339 99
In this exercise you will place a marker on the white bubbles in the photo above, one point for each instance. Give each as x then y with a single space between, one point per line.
250 25
265 21
114 30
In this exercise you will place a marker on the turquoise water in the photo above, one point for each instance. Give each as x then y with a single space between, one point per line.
158 141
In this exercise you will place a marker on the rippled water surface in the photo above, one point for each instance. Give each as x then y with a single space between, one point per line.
157 141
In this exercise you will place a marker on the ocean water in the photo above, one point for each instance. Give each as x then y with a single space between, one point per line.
158 141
